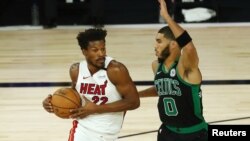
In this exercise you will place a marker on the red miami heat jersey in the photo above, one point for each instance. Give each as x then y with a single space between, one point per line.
99 89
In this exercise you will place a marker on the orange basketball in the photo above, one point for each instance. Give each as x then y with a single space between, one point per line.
63 100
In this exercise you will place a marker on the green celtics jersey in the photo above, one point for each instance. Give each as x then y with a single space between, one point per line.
180 103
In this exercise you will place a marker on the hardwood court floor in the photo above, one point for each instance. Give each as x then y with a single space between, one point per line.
36 55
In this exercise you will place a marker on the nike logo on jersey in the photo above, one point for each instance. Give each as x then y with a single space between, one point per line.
85 77
158 72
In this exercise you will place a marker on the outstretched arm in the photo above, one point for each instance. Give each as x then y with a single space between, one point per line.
189 58
188 63
151 91
176 29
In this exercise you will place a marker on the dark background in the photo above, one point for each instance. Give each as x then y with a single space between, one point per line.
19 12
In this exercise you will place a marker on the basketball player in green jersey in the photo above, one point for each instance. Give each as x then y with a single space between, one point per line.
177 83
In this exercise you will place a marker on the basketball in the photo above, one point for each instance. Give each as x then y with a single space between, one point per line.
63 100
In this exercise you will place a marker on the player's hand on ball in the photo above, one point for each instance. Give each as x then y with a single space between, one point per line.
84 111
47 104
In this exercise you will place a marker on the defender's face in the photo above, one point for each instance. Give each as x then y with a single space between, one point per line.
95 53
162 44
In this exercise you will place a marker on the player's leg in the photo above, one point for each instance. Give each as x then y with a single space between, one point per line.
164 134
79 133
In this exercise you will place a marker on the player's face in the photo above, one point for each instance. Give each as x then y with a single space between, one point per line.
162 46
95 53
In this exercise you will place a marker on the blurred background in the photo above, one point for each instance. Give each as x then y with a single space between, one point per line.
50 13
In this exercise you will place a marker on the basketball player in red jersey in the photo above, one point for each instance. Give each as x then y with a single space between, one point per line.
105 85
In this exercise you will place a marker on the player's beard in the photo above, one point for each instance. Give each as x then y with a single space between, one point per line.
164 54
96 65
99 65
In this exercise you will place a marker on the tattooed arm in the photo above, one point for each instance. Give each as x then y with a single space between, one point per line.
73 72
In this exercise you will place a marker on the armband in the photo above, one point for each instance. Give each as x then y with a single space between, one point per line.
183 39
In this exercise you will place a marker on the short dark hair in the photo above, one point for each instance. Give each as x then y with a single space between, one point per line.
92 34
167 32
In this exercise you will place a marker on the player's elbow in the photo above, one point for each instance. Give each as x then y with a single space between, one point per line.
134 104
137 104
